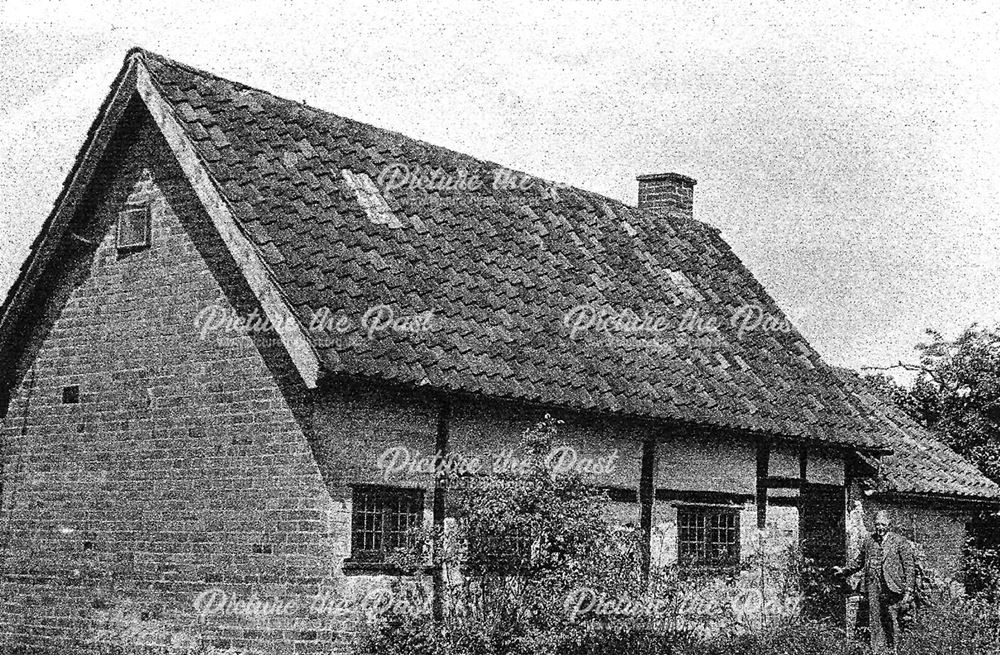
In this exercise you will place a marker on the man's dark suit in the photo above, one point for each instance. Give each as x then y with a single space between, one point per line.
889 576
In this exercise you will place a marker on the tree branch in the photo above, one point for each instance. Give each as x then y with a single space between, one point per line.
931 373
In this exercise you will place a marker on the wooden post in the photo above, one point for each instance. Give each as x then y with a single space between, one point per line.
647 492
763 462
440 490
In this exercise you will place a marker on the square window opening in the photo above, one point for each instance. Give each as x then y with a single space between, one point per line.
134 227
384 520
71 395
708 537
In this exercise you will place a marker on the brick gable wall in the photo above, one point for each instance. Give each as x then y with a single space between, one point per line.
184 465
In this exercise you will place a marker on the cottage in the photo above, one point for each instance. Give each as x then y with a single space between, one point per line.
246 318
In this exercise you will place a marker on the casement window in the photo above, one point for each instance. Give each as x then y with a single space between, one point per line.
708 536
134 227
384 519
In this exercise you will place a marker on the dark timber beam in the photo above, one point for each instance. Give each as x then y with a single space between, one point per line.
647 494
763 462
702 497
440 490
777 482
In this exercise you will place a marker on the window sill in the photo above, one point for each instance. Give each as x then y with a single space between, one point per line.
708 570
367 567
127 251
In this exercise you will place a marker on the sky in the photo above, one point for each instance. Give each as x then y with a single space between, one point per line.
849 152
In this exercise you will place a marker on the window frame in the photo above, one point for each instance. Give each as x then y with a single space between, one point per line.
389 540
126 211
705 538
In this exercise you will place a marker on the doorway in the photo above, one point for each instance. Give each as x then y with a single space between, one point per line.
823 539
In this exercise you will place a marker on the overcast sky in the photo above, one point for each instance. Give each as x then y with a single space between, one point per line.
849 153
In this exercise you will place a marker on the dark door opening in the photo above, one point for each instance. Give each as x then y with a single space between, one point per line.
823 538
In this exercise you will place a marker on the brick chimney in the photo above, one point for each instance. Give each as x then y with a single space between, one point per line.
669 192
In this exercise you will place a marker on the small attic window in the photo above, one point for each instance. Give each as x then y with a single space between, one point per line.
134 226
71 395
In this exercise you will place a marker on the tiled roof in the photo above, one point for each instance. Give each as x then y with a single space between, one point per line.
499 269
919 463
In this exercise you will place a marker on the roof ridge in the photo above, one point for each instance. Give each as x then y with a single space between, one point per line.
205 73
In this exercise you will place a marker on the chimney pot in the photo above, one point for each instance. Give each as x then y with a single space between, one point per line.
670 192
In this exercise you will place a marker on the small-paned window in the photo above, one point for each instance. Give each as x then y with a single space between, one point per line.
134 227
383 520
708 536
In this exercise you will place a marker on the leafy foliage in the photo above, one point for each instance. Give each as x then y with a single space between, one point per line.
792 638
956 393
955 624
982 570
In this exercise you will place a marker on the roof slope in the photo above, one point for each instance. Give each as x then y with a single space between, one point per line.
919 463
499 269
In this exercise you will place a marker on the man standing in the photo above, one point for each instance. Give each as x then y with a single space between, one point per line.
887 561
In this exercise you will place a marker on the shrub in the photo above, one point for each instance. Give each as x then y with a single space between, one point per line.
790 638
982 571
952 626
407 636
957 626
401 636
